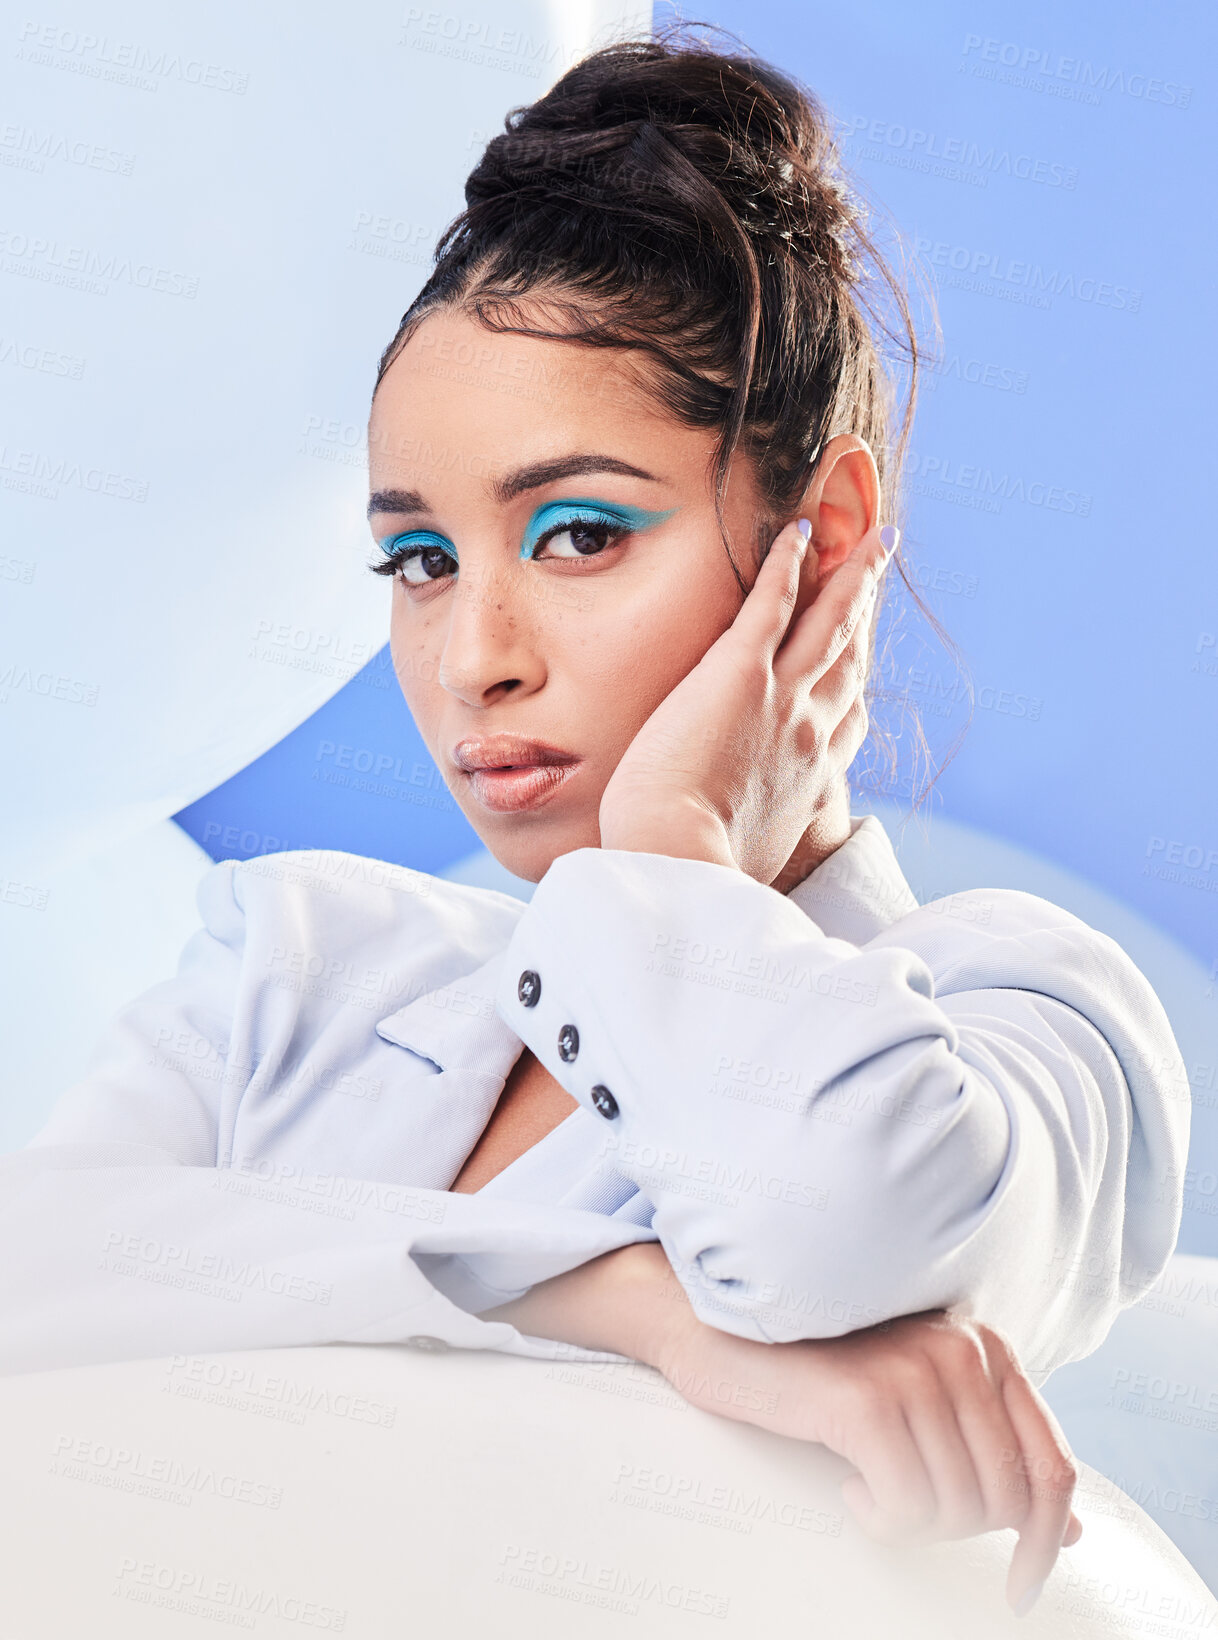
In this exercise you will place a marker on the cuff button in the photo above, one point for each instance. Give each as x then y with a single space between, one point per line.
568 1043
604 1101
528 987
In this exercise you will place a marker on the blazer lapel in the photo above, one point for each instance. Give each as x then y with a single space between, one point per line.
455 1026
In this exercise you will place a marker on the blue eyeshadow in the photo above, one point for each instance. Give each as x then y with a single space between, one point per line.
614 513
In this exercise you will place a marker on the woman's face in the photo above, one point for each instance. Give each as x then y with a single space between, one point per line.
563 568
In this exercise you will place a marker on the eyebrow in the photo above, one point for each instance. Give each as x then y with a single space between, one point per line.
509 487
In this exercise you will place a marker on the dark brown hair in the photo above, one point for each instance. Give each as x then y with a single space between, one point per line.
673 199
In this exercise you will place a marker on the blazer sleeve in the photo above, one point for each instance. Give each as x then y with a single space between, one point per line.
123 1234
983 1106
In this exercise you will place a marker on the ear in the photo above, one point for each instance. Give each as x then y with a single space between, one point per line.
842 501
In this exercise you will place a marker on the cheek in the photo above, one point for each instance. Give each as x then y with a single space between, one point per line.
414 665
691 599
627 655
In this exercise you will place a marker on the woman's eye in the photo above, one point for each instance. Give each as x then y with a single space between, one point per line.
418 566
581 538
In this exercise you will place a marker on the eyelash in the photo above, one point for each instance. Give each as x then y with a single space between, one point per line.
615 529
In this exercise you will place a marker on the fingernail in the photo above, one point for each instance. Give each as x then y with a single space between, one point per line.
804 526
1030 1598
889 536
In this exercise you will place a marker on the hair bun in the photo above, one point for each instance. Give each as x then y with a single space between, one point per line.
633 124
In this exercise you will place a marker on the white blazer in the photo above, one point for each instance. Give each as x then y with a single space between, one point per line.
830 1107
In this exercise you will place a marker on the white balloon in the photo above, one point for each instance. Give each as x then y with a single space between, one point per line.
384 1491
1143 1409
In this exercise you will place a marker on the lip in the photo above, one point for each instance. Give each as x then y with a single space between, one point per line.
511 773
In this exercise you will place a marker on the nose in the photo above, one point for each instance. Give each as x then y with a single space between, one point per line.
491 648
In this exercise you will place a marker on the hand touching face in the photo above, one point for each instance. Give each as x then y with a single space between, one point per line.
742 762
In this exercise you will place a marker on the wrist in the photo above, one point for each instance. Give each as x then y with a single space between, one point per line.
684 831
825 834
663 1320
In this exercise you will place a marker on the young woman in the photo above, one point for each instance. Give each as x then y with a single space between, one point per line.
722 1098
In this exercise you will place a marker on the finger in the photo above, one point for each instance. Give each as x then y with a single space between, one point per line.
823 630
763 618
899 1500
997 1453
986 1424
960 1507
1051 1476
836 690
832 711
831 722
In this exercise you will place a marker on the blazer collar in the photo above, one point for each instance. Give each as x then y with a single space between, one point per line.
855 894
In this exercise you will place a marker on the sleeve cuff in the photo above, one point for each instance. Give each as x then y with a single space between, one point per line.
630 906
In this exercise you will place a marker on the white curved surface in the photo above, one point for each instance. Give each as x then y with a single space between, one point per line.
386 1491
229 212
1143 1409
75 946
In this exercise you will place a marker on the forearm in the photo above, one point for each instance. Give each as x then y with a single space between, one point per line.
628 1301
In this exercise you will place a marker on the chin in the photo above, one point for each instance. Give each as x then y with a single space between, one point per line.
531 850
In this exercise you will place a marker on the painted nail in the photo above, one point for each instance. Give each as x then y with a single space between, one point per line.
804 526
1030 1597
889 536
